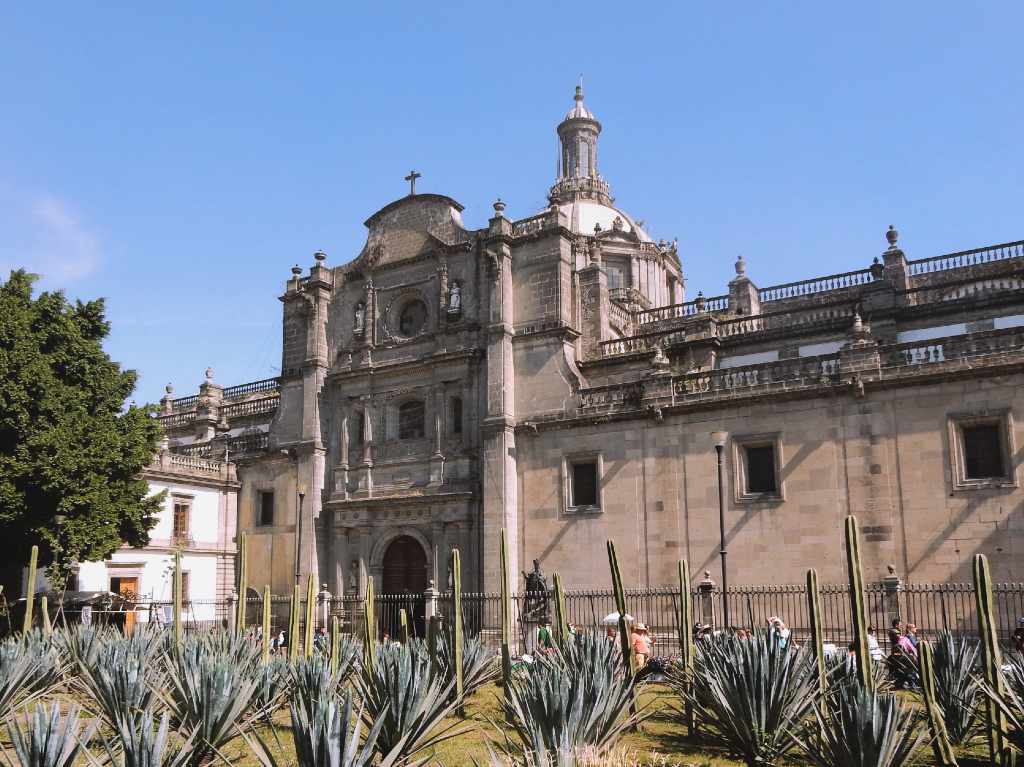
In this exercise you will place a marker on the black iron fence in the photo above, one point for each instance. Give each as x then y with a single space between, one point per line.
931 607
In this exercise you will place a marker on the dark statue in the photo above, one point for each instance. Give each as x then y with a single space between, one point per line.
535 604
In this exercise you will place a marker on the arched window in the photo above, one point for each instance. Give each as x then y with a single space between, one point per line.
410 420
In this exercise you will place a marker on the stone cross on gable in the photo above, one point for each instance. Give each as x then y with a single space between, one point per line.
411 178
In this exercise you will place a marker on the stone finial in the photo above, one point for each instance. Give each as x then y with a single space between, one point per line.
891 569
169 390
892 236
741 267
209 375
617 223
320 256
858 323
296 270
499 208
700 303
597 229
877 269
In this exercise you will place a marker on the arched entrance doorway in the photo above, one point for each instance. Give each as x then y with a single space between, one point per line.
404 581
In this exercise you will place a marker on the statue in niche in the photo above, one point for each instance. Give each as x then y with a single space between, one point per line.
455 298
358 318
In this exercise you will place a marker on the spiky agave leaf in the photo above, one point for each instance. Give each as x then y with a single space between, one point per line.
140 746
81 644
120 683
209 693
328 736
1011 705
401 688
272 687
956 664
576 697
751 694
311 681
48 740
863 728
479 666
27 672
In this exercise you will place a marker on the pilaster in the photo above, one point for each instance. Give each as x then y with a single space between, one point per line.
743 296
594 310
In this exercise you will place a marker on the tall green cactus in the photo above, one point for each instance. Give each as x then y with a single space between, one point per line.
685 622
941 746
433 633
561 627
177 597
858 609
310 627
335 644
457 644
403 626
243 577
44 613
817 635
628 661
266 624
30 591
995 721
294 622
506 619
369 627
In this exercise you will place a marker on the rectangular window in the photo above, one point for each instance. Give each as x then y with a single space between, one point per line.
761 469
266 507
983 451
757 462
583 484
185 586
182 519
456 415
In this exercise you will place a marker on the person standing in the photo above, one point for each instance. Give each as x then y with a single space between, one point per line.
641 640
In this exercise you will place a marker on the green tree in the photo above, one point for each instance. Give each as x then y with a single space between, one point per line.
70 451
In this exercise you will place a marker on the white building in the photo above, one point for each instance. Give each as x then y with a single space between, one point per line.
198 518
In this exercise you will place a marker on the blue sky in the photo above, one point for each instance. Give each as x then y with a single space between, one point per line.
179 160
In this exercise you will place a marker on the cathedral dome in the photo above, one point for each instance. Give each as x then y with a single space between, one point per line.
584 214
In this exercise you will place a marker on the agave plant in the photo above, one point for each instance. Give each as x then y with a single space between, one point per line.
1013 673
272 688
752 694
401 691
956 663
48 740
328 737
863 728
81 644
27 672
1011 705
140 746
479 666
579 697
209 693
841 672
120 682
312 681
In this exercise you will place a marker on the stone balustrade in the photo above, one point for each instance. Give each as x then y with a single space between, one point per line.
167 462
251 407
966 258
825 284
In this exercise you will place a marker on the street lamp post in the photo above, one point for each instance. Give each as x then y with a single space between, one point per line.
298 541
720 438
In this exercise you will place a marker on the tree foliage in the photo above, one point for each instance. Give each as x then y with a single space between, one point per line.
69 448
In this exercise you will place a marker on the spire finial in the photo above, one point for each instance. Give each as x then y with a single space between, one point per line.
579 89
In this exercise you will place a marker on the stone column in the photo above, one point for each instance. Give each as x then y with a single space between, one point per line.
500 504
340 489
895 262
342 557
594 310
706 596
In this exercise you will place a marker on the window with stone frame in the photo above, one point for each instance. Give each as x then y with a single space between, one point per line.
412 319
455 415
411 420
186 586
356 432
982 450
181 524
582 481
266 508
757 468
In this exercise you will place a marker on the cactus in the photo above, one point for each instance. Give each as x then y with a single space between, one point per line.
685 621
995 723
266 624
44 613
561 617
335 644
433 632
369 627
403 626
628 661
310 628
506 619
857 607
817 639
294 622
30 591
456 636
177 601
941 746
243 576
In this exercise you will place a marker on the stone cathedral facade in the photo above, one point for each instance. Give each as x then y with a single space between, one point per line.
553 377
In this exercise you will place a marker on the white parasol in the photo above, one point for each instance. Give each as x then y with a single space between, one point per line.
612 619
